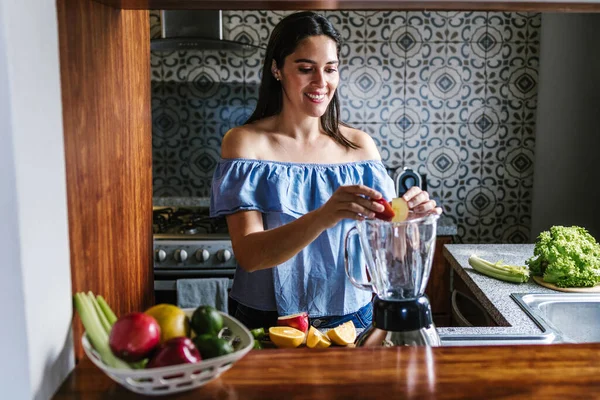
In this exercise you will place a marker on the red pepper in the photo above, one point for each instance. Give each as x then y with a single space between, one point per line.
388 213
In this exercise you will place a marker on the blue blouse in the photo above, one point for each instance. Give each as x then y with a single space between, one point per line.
314 280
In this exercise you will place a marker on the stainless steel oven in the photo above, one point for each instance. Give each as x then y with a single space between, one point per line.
189 244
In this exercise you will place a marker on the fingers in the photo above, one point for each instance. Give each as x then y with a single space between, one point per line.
362 206
425 207
419 201
362 189
353 199
412 192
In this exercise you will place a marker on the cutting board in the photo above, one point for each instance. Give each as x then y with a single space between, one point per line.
539 280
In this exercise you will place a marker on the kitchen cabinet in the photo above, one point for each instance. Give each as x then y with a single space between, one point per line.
438 287
483 5
471 309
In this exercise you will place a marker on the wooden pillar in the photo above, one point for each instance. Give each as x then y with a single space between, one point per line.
105 79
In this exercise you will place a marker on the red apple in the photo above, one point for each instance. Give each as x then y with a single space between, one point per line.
298 321
178 350
134 336
388 212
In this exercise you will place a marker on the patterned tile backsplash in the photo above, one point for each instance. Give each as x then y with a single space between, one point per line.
452 95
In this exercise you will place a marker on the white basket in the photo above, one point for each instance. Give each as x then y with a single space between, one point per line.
176 378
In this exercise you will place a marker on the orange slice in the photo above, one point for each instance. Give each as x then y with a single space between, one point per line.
285 337
400 207
343 334
316 339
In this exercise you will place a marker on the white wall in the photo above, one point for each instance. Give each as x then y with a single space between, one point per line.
566 188
35 284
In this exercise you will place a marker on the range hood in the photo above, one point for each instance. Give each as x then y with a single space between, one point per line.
194 30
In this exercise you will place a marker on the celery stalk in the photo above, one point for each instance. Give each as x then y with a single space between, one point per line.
108 312
509 273
105 325
95 331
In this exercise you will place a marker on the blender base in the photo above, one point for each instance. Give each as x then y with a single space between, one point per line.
405 322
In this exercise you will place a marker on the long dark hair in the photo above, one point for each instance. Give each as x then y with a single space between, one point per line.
283 41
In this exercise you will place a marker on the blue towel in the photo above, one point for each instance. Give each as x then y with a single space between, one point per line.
192 293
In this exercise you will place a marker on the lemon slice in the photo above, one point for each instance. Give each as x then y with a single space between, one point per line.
400 207
343 334
316 339
285 337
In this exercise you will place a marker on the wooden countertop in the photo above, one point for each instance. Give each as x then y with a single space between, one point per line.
528 372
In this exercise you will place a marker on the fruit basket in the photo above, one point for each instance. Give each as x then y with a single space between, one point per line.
176 378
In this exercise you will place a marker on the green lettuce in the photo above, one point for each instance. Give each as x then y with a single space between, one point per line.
566 257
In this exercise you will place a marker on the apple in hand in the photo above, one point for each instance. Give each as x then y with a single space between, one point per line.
178 350
134 336
388 213
298 321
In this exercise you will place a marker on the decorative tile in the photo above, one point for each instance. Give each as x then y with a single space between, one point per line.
168 66
262 22
534 23
418 66
465 24
427 23
514 233
378 60
155 27
380 25
352 59
253 65
350 25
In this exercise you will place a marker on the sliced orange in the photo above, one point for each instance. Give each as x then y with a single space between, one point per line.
400 207
316 339
285 337
343 334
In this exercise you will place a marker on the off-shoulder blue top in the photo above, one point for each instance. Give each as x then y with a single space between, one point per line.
314 280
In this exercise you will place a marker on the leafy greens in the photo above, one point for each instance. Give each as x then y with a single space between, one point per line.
566 257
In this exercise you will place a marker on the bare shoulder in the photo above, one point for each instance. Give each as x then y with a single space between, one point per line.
241 142
368 149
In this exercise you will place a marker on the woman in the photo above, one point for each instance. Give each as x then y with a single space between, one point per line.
291 182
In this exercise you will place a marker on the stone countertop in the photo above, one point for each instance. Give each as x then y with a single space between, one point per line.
446 227
494 294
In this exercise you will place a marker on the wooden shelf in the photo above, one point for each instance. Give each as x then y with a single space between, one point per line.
532 5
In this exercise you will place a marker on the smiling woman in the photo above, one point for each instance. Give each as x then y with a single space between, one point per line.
292 181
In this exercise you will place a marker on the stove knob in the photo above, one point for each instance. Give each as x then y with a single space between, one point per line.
223 255
160 255
181 255
202 255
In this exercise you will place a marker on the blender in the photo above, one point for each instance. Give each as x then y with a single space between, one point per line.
399 256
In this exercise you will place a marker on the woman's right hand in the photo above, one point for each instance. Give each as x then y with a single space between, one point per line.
353 202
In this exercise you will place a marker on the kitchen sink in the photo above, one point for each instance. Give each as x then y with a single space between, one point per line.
573 317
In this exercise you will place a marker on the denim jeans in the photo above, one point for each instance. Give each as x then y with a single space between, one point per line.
254 318
361 319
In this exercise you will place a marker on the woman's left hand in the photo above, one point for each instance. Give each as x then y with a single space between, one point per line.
419 201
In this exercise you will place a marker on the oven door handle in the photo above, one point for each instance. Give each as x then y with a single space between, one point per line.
171 285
